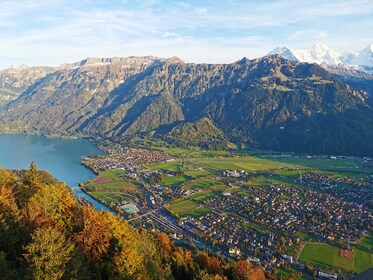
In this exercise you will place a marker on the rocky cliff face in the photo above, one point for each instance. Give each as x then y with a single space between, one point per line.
264 103
15 80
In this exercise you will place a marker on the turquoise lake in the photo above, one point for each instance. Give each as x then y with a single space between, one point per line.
60 156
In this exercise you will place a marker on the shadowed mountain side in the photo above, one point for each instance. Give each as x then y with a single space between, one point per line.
265 103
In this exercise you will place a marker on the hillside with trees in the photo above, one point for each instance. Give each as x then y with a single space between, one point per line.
45 233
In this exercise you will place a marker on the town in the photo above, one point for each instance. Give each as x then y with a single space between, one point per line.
228 212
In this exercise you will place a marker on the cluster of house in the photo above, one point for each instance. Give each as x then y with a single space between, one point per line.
297 209
228 232
355 191
118 157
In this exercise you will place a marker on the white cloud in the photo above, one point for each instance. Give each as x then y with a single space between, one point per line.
57 31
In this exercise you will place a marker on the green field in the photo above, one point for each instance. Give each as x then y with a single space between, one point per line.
246 163
367 242
259 228
203 195
325 256
364 253
343 167
197 173
198 212
108 186
107 197
363 260
183 206
167 166
287 273
174 180
111 180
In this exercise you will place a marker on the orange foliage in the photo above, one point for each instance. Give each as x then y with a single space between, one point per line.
211 264
165 242
95 234
178 255
243 270
34 217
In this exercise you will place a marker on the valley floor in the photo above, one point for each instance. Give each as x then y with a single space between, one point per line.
290 211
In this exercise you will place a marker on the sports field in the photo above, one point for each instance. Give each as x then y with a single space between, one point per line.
327 256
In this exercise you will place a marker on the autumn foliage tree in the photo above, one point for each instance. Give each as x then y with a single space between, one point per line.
243 270
94 235
46 234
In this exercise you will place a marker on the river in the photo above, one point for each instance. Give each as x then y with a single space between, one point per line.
59 156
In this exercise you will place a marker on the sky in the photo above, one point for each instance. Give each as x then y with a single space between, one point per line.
52 32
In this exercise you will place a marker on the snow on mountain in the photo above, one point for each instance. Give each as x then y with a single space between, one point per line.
319 53
285 52
362 57
361 60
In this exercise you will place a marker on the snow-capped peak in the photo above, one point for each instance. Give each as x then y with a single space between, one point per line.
283 51
319 53
20 66
362 59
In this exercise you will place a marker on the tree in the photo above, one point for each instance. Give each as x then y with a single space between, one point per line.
56 202
165 242
48 253
94 235
32 177
127 247
243 270
211 264
7 178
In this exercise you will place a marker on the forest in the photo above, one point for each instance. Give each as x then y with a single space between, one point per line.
46 233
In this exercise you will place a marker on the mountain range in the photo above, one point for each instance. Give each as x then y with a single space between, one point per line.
267 103
319 53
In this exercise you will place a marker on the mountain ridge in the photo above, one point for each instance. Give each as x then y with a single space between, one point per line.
258 103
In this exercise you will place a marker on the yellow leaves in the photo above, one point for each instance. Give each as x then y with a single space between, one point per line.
127 261
8 203
128 258
7 178
7 199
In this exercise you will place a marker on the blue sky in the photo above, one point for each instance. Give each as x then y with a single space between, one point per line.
51 32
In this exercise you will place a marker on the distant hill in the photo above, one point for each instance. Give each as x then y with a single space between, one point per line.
270 103
202 133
